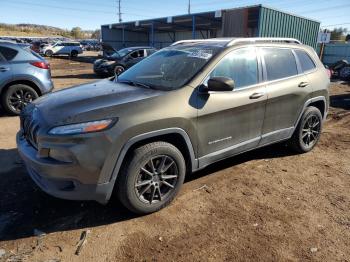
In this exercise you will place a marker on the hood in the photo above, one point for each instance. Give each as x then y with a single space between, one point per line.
94 101
108 48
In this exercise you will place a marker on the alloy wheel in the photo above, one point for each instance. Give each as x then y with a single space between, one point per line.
118 70
20 98
311 131
156 179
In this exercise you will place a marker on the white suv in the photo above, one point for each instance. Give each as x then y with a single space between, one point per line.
62 48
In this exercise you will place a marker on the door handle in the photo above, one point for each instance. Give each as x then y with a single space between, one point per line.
256 95
4 69
303 84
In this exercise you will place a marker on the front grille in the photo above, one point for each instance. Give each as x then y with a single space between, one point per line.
29 128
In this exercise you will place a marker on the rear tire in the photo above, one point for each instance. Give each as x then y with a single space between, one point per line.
16 97
308 131
151 177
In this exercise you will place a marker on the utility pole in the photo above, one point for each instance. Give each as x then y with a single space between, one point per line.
189 6
119 11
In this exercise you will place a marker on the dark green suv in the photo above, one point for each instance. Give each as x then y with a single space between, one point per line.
179 110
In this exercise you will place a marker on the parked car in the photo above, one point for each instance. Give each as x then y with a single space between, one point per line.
62 48
177 111
24 76
121 60
337 67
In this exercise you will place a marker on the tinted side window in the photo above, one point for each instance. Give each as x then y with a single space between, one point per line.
141 53
134 54
305 61
240 65
8 53
280 63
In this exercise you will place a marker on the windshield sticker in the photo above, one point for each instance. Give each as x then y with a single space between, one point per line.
203 54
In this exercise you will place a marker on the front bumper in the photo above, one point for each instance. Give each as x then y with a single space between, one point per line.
102 70
44 173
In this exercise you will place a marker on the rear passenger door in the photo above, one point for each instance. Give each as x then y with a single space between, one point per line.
287 90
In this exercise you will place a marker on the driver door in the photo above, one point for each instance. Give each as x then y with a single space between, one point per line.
230 122
135 57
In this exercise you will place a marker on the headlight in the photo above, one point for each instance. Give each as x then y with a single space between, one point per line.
82 128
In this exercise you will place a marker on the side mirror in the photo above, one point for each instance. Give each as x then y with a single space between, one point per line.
220 84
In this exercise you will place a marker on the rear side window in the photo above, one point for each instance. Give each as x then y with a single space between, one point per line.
305 61
280 63
240 65
8 53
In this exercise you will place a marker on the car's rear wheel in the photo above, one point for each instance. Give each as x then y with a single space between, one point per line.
118 70
49 53
74 53
16 97
308 131
151 177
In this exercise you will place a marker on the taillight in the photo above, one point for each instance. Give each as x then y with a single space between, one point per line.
329 72
42 65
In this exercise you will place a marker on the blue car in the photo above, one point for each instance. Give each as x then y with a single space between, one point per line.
24 76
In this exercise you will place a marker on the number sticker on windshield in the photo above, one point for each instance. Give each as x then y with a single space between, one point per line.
203 54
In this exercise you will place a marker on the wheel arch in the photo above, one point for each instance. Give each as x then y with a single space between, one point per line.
319 102
175 136
23 82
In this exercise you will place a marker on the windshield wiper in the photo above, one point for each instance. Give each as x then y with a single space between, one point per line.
134 83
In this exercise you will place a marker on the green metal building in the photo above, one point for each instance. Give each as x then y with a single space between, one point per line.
251 21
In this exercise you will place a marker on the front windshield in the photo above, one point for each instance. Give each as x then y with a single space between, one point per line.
170 68
122 52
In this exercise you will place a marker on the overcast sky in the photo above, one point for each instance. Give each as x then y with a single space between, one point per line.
90 14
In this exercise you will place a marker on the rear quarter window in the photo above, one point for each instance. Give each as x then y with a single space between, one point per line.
280 63
306 63
8 53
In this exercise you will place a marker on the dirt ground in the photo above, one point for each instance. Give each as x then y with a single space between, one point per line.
266 205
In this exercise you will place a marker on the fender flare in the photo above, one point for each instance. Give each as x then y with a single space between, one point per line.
310 101
138 138
152 134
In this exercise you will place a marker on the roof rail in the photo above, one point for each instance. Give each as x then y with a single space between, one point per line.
263 39
201 40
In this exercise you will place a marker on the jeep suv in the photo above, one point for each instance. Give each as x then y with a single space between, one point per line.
177 111
62 48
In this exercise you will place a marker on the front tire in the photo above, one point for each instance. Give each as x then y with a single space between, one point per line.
118 70
308 131
16 97
151 177
74 53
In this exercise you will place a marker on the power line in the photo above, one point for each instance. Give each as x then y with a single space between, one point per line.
325 9
119 12
73 9
347 23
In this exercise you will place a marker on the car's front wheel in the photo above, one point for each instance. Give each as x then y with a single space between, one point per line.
308 131
118 70
151 177
16 97
74 53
